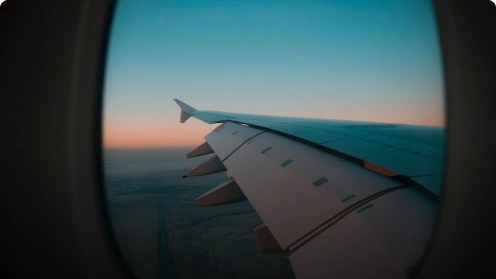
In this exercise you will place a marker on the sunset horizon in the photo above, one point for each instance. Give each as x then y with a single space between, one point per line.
191 134
285 59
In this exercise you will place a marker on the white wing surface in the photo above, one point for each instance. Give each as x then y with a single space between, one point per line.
344 199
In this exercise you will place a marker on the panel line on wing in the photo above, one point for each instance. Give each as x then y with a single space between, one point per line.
334 219
431 174
247 141
379 154
322 127
333 140
378 141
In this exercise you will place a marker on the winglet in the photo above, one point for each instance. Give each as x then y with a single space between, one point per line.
186 110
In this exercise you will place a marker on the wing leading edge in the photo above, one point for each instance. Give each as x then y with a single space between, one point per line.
412 151
321 204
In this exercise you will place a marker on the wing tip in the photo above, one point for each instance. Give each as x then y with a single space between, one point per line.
186 110
184 107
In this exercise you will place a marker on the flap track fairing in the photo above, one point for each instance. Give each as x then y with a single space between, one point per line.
211 165
225 193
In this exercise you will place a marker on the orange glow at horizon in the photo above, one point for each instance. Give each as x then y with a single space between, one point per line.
170 133
155 135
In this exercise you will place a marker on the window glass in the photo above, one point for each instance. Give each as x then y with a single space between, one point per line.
367 61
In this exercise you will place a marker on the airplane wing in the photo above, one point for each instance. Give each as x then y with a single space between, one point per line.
344 199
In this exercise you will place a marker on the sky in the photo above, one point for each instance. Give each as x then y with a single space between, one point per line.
369 60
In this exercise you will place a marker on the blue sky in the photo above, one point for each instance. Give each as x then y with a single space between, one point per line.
359 60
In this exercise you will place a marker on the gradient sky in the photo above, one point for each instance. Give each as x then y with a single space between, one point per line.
371 60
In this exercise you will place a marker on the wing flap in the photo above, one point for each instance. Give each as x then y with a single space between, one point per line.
229 137
295 188
384 238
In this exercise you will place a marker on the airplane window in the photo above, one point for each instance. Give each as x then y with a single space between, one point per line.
348 96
